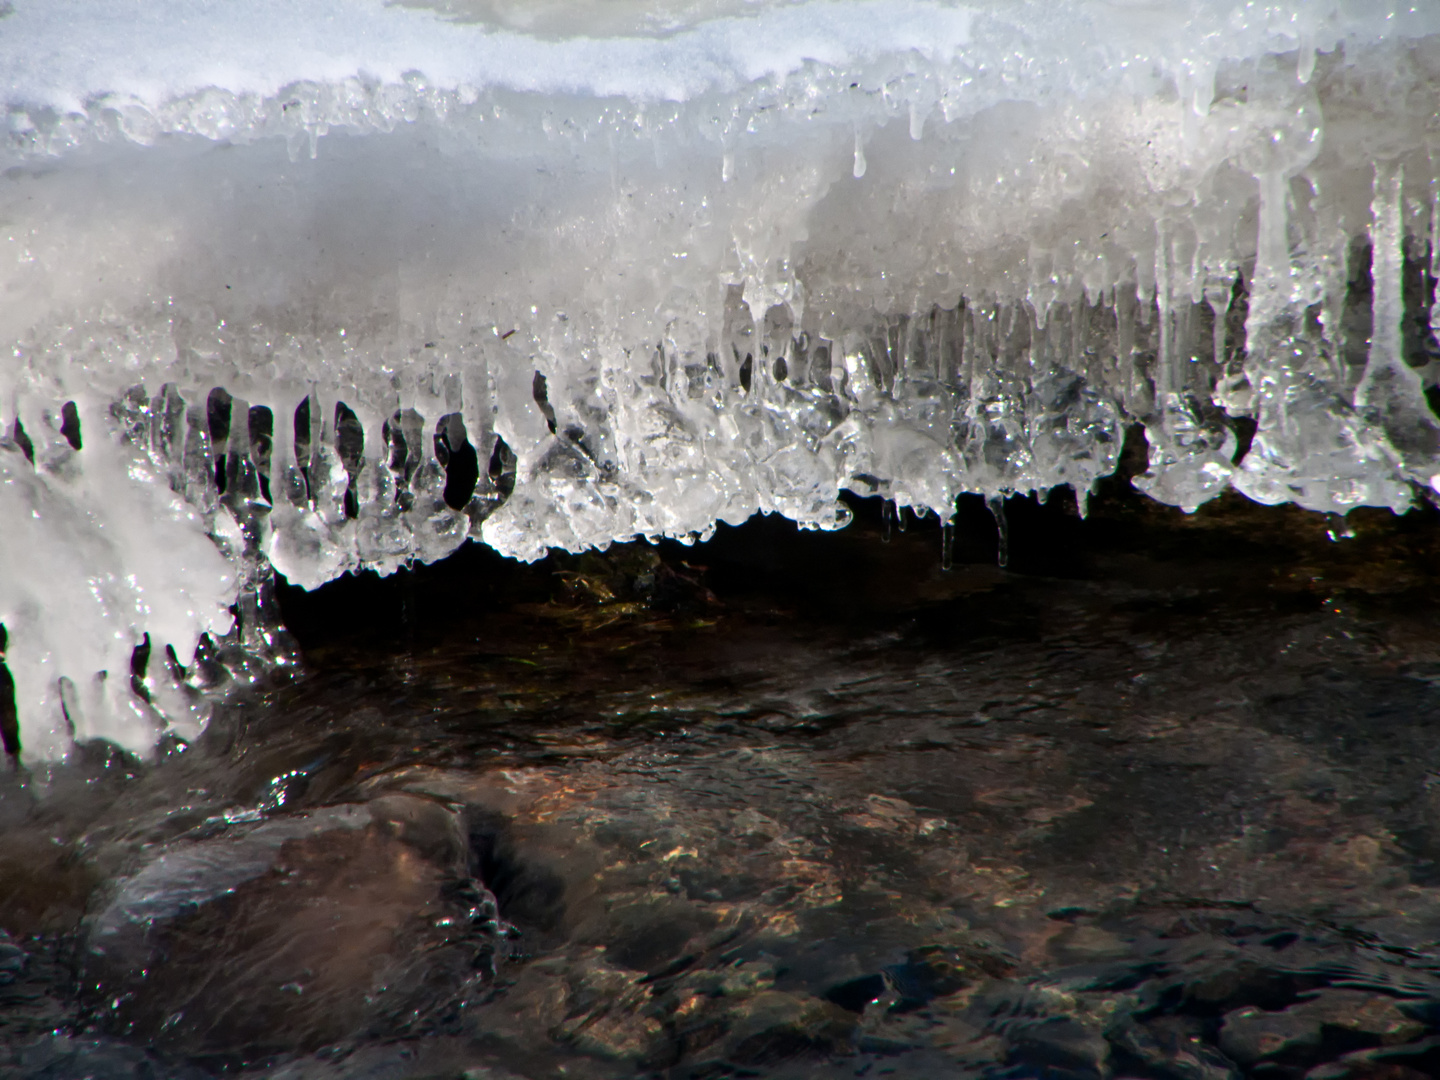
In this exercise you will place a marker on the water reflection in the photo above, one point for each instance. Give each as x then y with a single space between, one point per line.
1159 800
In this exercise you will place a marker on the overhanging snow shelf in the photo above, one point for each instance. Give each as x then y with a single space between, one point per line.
329 284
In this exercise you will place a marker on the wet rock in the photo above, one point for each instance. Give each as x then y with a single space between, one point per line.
1408 1061
1062 1046
1325 1025
1243 983
43 886
773 1026
1359 1019
297 934
618 1033
606 1013
653 931
1168 1051
936 971
1250 1036
1079 944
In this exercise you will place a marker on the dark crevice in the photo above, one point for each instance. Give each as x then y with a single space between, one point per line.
395 440
139 664
9 715
350 446
501 469
1245 428
262 438
217 416
172 661
820 368
403 433
540 392
205 669
460 460
349 438
68 704
747 369
70 424
1235 316
1418 336
302 443
1356 315
530 895
22 440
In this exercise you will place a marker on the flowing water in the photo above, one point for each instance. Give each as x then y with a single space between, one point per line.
1160 798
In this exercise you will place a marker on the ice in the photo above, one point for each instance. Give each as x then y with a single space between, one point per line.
336 284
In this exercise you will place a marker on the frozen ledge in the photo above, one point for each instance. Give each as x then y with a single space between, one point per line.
273 298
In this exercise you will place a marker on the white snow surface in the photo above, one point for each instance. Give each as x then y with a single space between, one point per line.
62 53
663 266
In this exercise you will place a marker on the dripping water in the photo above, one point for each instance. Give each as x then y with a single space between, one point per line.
996 504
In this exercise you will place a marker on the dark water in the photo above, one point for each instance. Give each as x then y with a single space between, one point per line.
1161 799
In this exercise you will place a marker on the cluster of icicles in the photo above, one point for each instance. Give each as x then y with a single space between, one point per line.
554 319
995 398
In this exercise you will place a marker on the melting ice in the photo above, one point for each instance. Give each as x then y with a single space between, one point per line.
321 285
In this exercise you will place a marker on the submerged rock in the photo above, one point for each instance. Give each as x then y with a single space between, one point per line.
303 931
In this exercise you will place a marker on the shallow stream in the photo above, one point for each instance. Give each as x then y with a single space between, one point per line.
1160 798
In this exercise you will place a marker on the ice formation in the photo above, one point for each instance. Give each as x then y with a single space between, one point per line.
332 284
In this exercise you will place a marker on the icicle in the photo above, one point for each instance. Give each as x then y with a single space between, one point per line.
859 167
1388 265
996 503
887 515
1387 268
1217 296
1165 382
1305 62
1272 250
947 545
917 121
1202 91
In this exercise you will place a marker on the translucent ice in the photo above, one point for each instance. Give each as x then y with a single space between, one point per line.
337 284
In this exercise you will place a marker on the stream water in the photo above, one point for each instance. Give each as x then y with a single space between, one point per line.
1160 798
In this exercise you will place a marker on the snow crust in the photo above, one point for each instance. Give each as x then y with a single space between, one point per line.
648 267
62 54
